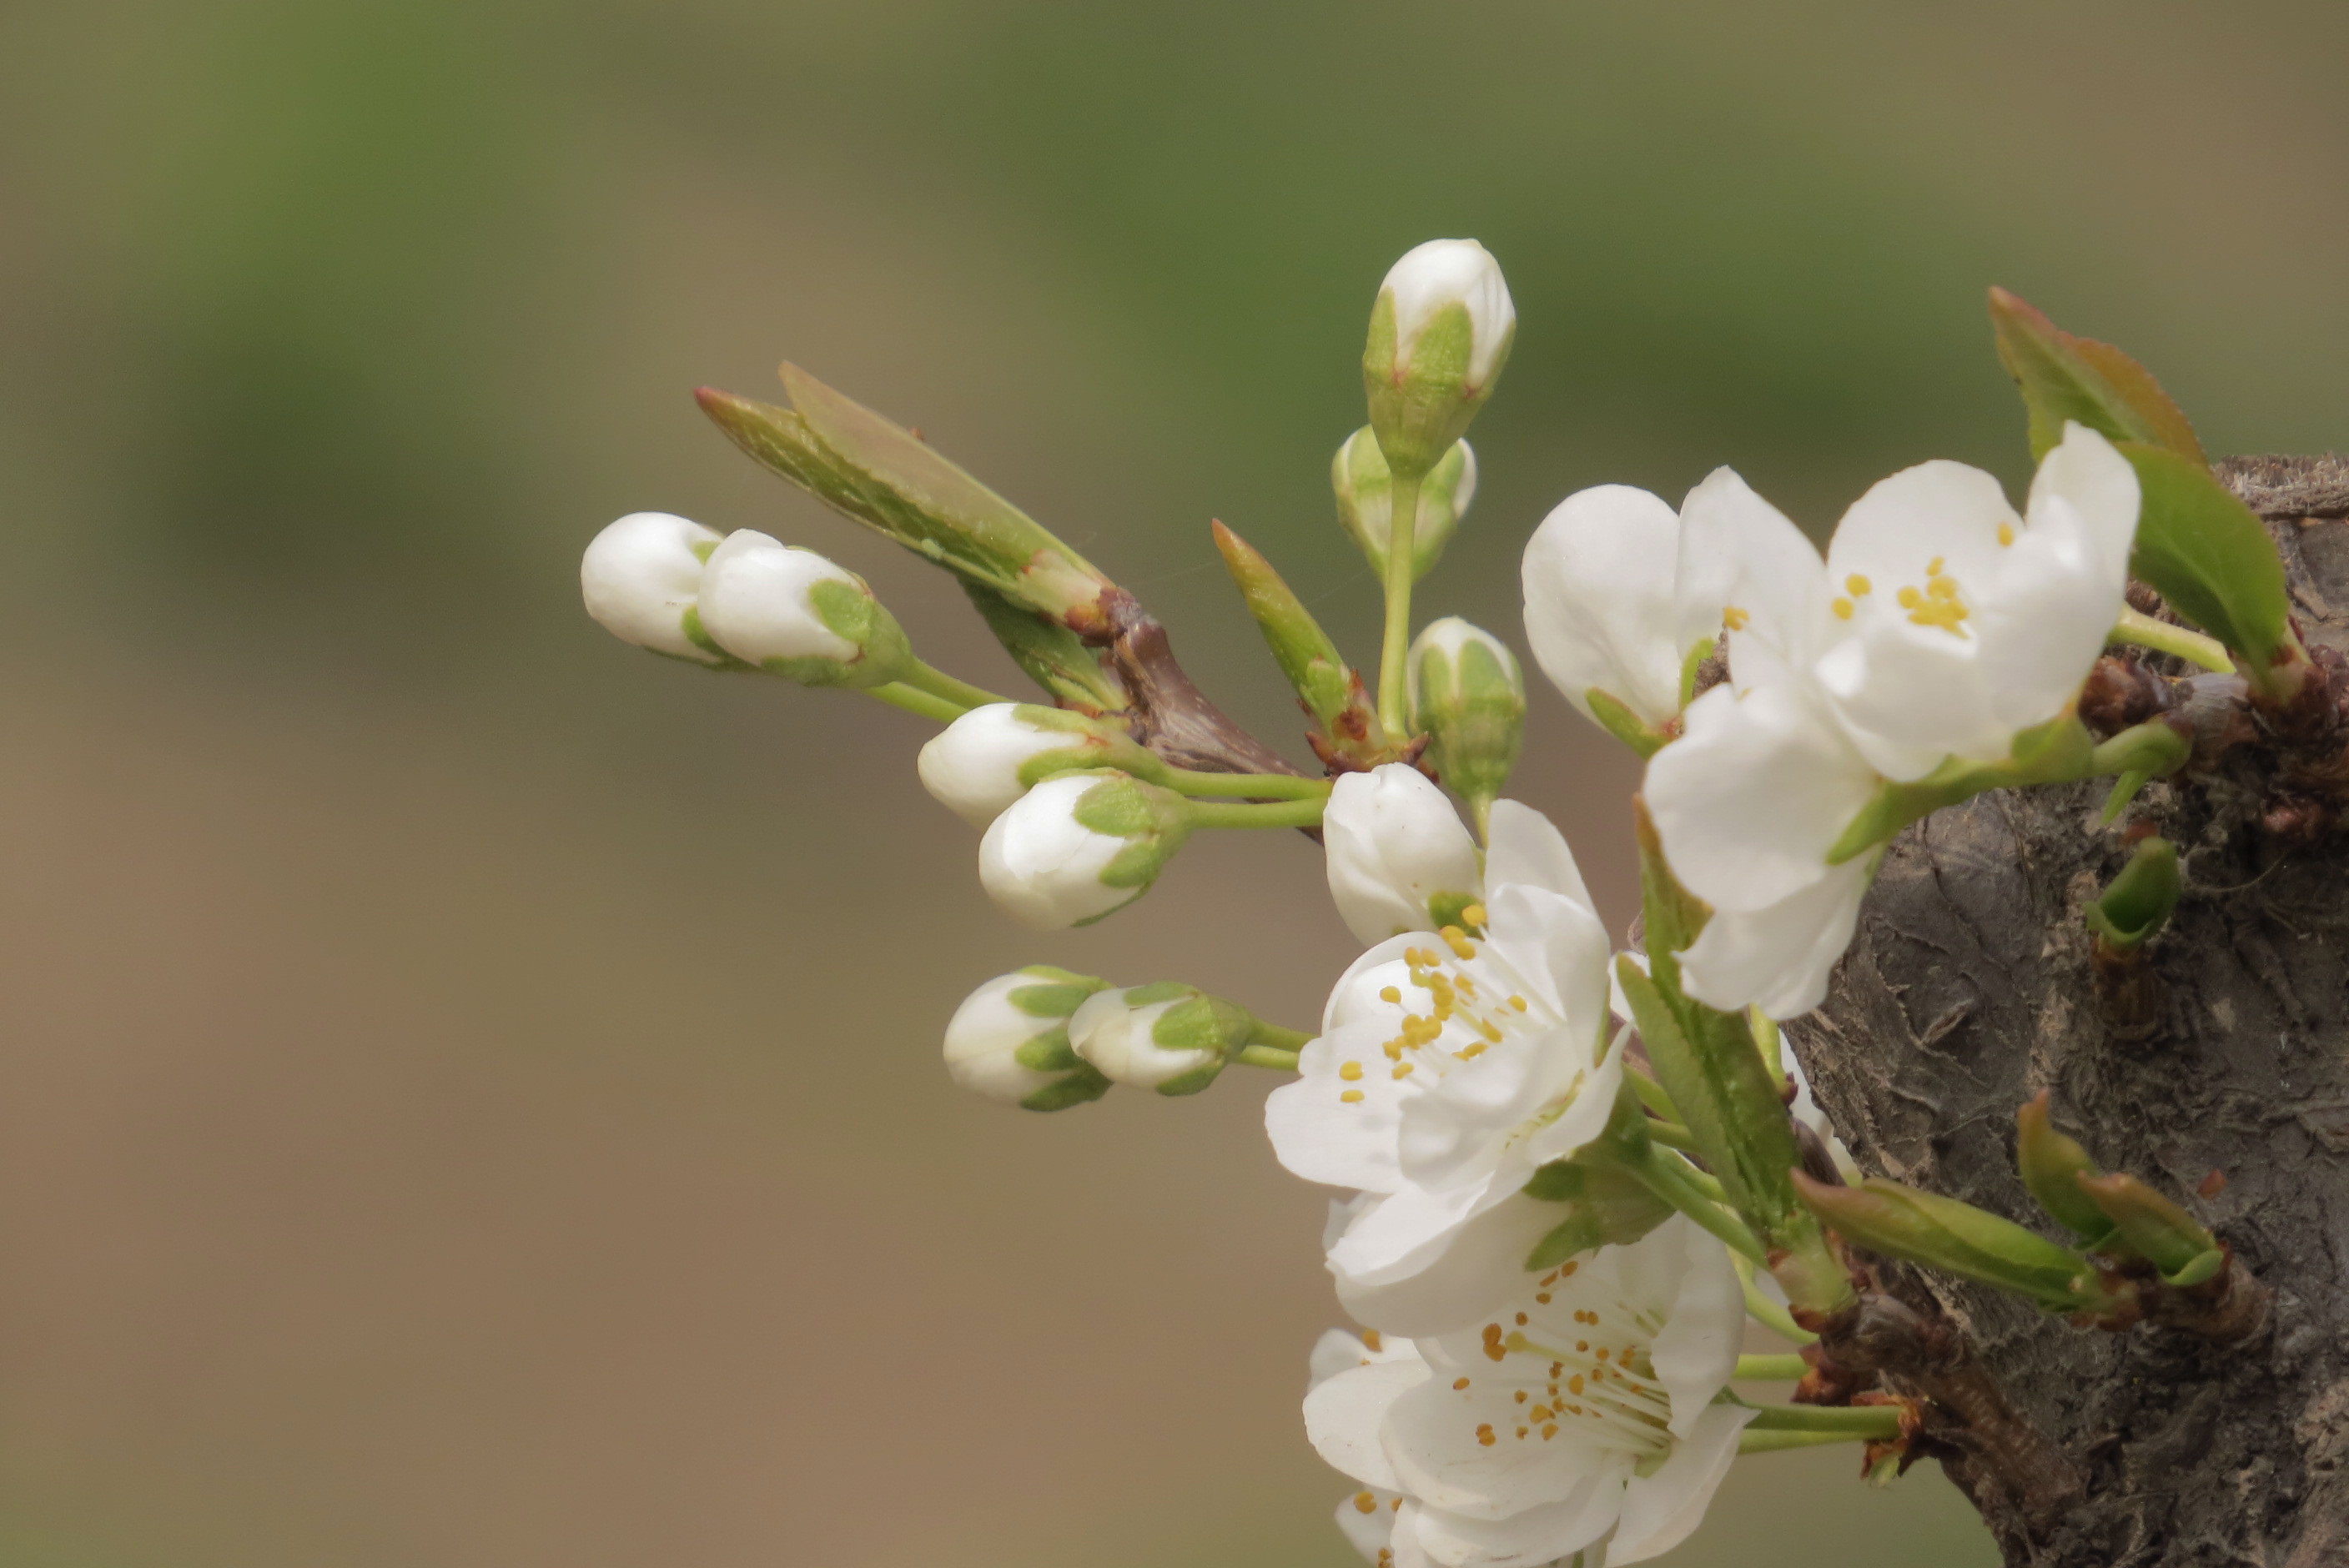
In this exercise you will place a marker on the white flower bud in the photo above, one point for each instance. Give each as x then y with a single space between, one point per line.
1399 858
1440 334
984 760
1364 487
1468 694
1169 1037
1080 845
790 610
639 578
1008 1041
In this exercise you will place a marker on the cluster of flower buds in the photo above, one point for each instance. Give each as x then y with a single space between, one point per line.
1045 1040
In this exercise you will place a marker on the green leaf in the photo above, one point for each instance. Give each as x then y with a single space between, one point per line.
1329 689
2064 377
1054 657
2050 1165
2156 1229
2209 556
1944 1233
2139 901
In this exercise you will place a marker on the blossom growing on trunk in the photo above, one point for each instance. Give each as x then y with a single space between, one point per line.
1399 858
1008 1041
1450 1068
1582 1410
1080 846
641 578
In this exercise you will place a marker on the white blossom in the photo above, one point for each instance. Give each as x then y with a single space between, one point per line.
641 578
1079 846
982 762
1168 1038
1008 1041
1448 1070
1581 1411
790 610
1393 846
1443 273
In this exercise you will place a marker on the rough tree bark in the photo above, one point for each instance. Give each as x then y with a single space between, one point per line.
1970 987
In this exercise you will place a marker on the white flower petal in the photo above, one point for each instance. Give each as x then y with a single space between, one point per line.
1524 847
2046 618
1778 957
1483 1267
1345 1414
1921 688
1320 1134
1751 798
2084 470
1537 1538
1367 1520
1441 273
1663 1509
1695 1353
755 601
1356 995
641 574
1044 866
1599 604
1743 558
1407 1232
1939 510
972 766
1391 841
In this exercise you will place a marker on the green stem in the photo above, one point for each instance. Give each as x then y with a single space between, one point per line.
2164 638
898 695
1881 1422
1673 1180
1792 1368
1768 1313
937 682
1280 1039
1246 786
1273 814
1271 1056
1750 1441
1394 653
1672 1135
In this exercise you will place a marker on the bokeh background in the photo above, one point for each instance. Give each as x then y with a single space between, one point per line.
468 1090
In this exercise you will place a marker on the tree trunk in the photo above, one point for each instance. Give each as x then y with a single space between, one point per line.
2217 1071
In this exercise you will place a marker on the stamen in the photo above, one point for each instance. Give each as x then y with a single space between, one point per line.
1734 618
2006 533
1349 1071
1365 1503
1352 1096
1859 587
1842 607
1473 914
1389 993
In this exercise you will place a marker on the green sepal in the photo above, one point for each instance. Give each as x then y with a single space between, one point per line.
2054 752
699 635
1421 411
1605 1208
1473 710
1099 743
2050 1165
1331 691
2138 902
1452 909
1082 1085
1625 726
2209 556
1709 1066
888 479
1364 488
2063 377
1048 1052
2153 1227
1054 657
1056 994
850 612
1944 1233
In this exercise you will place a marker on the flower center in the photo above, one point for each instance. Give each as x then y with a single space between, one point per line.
1583 1369
1938 600
1470 1010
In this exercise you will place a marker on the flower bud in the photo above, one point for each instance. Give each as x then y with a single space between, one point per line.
640 577
2051 1165
982 762
1008 1041
1945 1233
1080 845
2140 900
790 610
1439 336
1468 695
1170 1037
2156 1229
1365 490
1398 856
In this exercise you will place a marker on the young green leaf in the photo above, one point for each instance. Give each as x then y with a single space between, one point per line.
1329 689
2210 557
2064 377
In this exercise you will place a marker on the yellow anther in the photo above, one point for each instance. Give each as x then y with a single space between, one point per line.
1470 1053
1859 587
1488 1031
2006 533
1459 1383
1909 598
1352 1096
1943 588
1485 1434
1372 1340
1842 607
1943 613
1389 993
1550 1431
1522 1396
1457 940
1518 1003
1473 914
1402 1070
1349 1071
1393 1049
1933 567
1539 1413
1365 1503
1734 618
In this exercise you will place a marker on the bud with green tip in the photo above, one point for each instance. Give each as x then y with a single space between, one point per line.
1440 334
1170 1037
1008 1041
641 578
1602 1207
2155 1229
1468 695
2139 901
2051 1165
984 761
1944 1233
794 613
1365 490
1079 846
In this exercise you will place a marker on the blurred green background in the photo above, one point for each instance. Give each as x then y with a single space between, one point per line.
468 1090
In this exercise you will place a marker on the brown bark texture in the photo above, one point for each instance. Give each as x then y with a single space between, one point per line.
2216 1069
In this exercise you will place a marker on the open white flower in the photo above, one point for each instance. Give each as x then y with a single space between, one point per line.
1450 1069
1583 1411
641 578
1079 846
1395 850
1853 675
